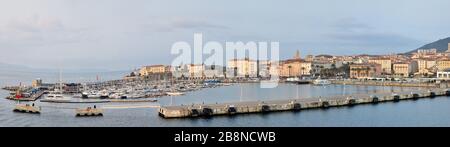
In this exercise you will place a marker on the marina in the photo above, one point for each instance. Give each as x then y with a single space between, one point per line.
150 91
140 90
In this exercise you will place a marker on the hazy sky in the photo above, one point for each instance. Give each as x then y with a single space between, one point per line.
122 34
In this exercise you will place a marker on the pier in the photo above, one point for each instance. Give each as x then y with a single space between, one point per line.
200 110
390 83
27 108
33 97
89 112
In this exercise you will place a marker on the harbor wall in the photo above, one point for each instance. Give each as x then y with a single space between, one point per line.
198 110
389 83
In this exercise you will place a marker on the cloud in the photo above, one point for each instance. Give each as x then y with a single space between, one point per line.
37 30
374 39
176 24
352 33
351 24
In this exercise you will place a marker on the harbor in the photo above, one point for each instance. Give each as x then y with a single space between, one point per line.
146 113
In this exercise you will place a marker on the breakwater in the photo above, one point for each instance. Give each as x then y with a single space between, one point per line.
207 110
390 83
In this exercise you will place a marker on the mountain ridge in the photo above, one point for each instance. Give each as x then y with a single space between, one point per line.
440 45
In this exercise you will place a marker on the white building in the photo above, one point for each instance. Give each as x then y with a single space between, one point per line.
443 75
214 71
243 68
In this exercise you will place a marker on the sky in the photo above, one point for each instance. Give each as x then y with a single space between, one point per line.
127 34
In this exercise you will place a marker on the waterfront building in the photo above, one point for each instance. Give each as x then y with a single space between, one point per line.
426 67
443 75
180 71
153 69
196 71
294 68
264 68
243 67
213 71
386 64
36 83
365 70
72 88
404 69
318 65
443 64
305 68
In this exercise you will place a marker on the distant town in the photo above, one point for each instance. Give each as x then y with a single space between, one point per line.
425 63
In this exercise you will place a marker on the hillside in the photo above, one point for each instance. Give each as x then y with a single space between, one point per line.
440 45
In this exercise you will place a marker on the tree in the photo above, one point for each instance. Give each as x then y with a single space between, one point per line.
289 68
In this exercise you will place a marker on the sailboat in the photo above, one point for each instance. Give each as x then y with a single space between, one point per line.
57 96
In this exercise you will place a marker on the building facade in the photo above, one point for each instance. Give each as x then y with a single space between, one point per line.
443 75
426 66
153 69
360 71
443 64
243 67
36 83
196 70
404 69
386 64
294 68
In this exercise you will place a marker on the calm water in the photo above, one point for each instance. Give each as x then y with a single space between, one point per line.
424 112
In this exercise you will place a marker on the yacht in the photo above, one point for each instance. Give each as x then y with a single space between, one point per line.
174 93
321 82
56 95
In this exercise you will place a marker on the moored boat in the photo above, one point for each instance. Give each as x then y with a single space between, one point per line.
321 82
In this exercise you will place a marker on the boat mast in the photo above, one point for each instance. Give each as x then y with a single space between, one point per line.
241 93
60 80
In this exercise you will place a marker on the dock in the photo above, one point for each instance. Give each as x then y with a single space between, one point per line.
27 108
389 83
86 101
208 110
33 97
89 112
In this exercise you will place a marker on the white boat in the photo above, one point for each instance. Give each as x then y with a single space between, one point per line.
292 79
174 93
57 94
321 82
